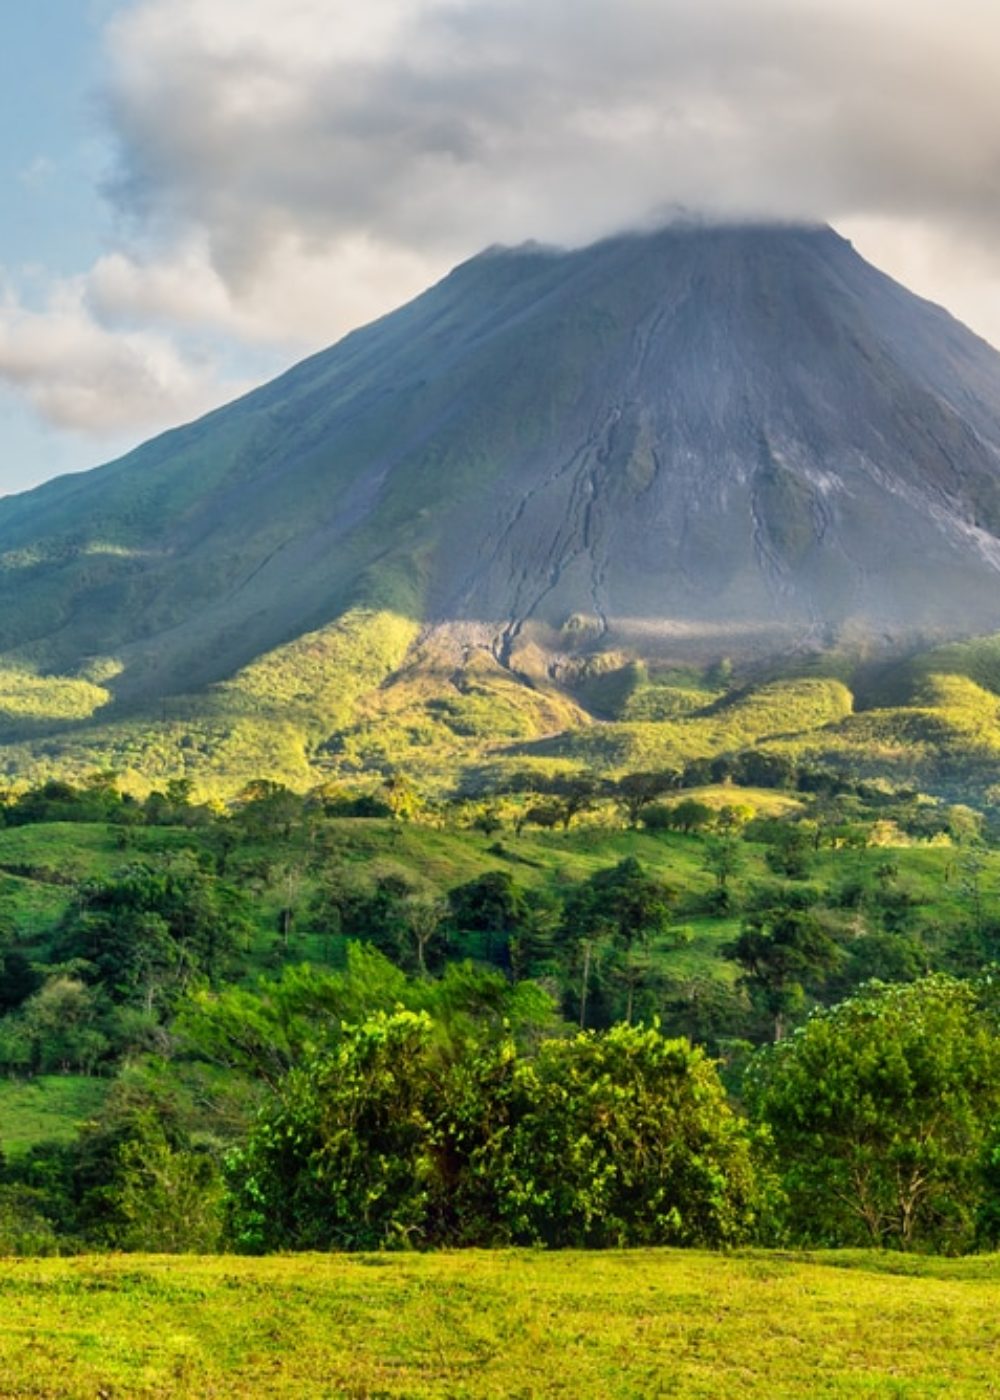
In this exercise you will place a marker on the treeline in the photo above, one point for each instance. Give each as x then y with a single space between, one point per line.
132 945
109 974
366 1110
656 800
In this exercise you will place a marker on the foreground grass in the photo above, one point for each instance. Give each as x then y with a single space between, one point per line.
637 1324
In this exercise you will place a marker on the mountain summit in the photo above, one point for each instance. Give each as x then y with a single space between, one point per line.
700 439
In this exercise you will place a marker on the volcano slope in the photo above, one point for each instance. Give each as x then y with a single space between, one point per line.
666 447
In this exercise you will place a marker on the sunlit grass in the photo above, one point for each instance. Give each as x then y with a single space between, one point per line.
642 1324
48 1108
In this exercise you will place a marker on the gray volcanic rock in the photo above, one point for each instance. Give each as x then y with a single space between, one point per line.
700 439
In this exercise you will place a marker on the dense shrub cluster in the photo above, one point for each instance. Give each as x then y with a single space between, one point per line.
598 1140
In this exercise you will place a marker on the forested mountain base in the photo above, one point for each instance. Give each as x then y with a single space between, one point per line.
295 1023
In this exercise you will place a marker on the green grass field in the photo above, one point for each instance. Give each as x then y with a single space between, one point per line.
638 1324
47 1108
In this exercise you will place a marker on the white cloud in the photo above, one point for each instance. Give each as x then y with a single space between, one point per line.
80 375
291 135
434 120
289 168
306 292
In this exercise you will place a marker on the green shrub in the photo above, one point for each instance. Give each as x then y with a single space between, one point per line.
604 1139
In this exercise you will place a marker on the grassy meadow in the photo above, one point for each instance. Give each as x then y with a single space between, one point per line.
513 1324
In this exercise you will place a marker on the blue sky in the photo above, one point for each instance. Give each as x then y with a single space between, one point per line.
198 192
53 153
54 149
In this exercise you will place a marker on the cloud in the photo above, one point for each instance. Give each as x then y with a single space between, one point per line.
288 168
357 151
440 123
80 375
306 292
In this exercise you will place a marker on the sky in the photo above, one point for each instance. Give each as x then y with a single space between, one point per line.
199 192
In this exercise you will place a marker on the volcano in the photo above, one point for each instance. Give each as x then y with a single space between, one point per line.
692 441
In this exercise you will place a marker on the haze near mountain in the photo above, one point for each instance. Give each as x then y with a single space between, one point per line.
694 441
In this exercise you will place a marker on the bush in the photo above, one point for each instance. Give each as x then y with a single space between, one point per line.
24 1227
624 1138
344 1159
605 1139
881 1112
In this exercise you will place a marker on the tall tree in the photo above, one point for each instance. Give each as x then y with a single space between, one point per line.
880 1111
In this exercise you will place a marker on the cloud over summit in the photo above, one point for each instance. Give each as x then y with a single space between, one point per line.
287 168
446 123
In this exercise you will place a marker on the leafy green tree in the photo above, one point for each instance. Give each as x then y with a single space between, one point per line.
401 796
723 859
344 1160
783 953
283 1022
25 1227
18 979
880 1111
488 821
688 815
720 674
62 1029
988 1211
635 791
533 946
266 809
96 800
144 933
622 1138
163 1198
577 793
545 815
425 930
964 824
791 848
621 908
492 906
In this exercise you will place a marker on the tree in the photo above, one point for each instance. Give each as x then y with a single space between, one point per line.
546 815
488 821
577 793
783 952
791 848
344 1158
164 1198
720 674
391 1140
492 906
880 1111
424 926
61 1028
622 907
145 932
687 816
401 797
723 859
18 979
621 1138
267 809
636 791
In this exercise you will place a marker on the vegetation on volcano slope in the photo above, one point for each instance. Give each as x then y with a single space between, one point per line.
361 697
